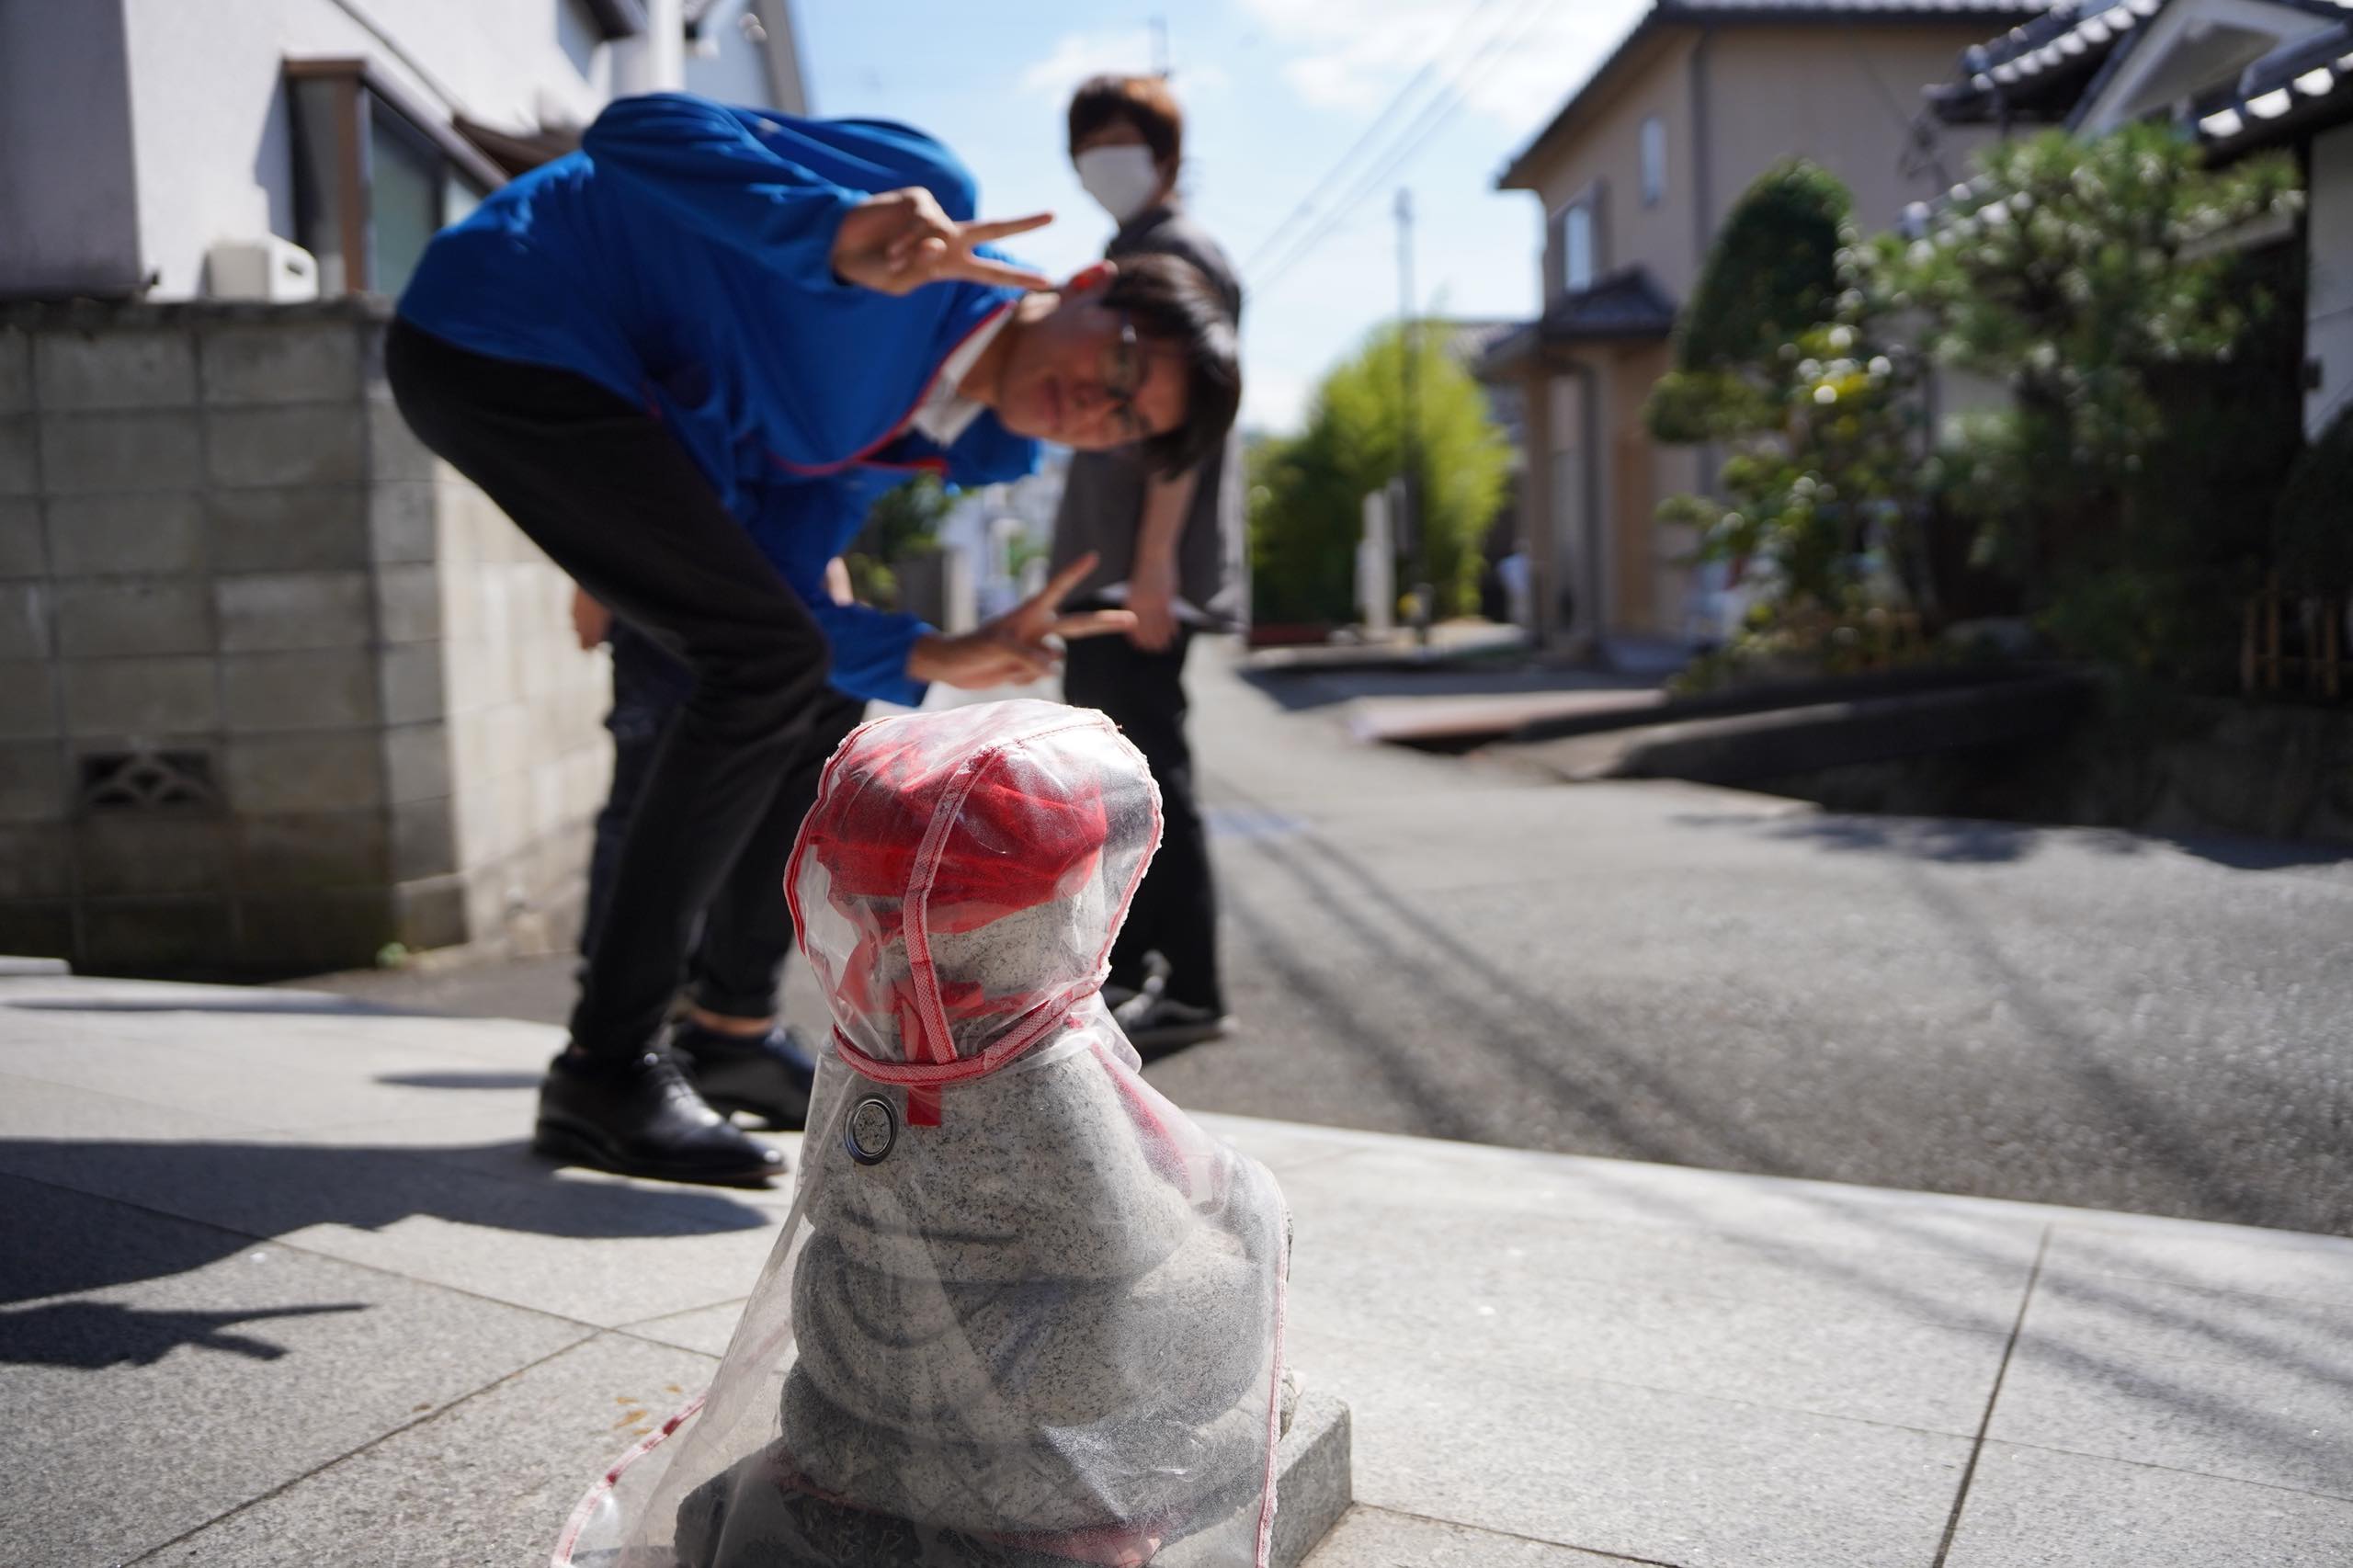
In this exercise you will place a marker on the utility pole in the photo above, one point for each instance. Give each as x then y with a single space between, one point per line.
1160 46
1412 537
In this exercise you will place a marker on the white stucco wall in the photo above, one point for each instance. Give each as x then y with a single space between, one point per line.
210 122
734 72
135 134
2329 338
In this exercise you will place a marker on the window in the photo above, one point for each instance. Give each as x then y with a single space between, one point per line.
1577 245
375 176
1654 161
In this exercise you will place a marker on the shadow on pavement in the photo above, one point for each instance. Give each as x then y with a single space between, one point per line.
1967 841
244 1002
2104 1345
1925 839
1300 690
89 1336
1624 1106
1563 1063
84 1216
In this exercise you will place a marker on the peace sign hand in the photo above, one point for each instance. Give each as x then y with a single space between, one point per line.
1011 650
899 240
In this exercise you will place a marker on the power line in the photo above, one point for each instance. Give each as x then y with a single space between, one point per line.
1331 177
1434 117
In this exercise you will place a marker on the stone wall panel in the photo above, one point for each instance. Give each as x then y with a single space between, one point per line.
142 368
113 536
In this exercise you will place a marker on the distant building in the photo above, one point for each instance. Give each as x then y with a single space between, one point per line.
2240 77
136 135
1634 175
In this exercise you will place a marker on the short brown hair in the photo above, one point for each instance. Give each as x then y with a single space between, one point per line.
1173 302
1143 102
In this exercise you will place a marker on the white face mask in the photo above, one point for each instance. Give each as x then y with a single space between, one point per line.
1124 179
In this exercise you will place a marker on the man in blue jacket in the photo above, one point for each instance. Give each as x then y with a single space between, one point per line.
647 350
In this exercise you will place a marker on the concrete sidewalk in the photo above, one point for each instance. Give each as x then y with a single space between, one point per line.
284 1287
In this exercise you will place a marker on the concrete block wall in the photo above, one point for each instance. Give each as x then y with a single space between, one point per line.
277 687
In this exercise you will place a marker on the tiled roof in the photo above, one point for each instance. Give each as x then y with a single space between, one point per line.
1928 10
1665 14
2043 68
2285 93
1625 306
2054 67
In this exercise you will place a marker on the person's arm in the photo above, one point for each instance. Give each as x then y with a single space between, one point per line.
800 527
1151 573
873 650
1011 650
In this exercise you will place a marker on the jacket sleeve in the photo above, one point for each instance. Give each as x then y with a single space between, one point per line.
800 528
700 163
870 648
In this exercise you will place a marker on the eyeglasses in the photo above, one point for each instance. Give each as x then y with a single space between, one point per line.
1123 373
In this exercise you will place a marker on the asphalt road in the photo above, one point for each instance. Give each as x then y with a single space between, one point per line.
1659 971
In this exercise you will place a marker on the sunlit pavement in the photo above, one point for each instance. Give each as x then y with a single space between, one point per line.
284 1286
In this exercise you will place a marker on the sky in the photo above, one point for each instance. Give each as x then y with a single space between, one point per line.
1276 93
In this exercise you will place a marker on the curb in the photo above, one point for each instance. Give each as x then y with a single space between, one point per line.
1312 1483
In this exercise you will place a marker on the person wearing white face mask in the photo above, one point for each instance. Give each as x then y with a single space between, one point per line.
1169 550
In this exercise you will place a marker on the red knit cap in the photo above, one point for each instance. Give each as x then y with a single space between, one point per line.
931 828
1021 835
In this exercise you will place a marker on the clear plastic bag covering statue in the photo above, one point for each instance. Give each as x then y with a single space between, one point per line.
1023 1313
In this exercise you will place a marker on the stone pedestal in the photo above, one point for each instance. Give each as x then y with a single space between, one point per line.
1313 1484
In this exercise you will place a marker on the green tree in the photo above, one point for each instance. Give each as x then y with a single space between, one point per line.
1782 362
2096 283
1771 276
1307 494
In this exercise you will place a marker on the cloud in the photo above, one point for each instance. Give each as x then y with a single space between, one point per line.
1329 82
1510 62
1128 51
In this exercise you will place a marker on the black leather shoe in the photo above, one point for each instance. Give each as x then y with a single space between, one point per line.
763 1076
643 1117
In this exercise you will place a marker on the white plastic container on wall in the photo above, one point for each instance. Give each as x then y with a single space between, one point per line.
266 268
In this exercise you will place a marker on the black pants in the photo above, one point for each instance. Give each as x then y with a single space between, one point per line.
602 488
1175 913
739 956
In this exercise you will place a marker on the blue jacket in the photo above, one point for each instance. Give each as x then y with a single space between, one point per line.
683 259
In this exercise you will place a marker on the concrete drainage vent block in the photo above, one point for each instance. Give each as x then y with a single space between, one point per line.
1312 1486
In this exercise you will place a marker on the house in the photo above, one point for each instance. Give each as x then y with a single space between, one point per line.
2239 75
1634 176
278 688
135 135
